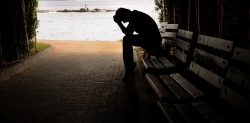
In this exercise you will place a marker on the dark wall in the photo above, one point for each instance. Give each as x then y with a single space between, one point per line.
236 22
7 31
18 23
228 19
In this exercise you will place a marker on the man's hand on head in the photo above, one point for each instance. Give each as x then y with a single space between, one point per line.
116 19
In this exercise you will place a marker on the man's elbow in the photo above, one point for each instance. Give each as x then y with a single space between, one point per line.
128 33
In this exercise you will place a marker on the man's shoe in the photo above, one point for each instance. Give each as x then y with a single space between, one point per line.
128 77
129 74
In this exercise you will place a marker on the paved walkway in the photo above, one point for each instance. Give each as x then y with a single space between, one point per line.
78 82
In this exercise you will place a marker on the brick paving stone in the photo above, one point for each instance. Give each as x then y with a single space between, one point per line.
80 82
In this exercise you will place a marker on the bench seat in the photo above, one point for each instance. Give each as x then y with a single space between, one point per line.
196 112
164 65
232 104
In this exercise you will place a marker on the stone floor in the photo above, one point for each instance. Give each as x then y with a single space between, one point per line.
78 82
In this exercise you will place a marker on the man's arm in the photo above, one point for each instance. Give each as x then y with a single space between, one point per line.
122 27
126 31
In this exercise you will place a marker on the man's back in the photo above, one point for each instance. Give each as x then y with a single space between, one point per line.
148 37
144 25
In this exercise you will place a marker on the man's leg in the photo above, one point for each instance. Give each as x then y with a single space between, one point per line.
154 47
128 59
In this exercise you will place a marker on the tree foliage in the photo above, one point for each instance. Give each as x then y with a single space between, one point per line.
18 30
159 7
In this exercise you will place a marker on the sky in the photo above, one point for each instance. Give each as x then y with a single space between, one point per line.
91 4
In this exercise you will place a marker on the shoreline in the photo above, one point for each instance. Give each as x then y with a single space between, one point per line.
67 40
77 11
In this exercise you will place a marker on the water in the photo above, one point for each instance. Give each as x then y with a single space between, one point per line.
78 26
102 4
87 26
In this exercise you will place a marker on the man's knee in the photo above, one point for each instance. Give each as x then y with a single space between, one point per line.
134 40
126 38
126 41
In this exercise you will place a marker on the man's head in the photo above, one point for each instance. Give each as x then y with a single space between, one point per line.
123 14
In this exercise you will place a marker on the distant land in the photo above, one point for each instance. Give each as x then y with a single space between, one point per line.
80 10
44 11
86 10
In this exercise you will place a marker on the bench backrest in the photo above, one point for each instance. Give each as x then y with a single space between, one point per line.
168 31
162 27
236 89
210 59
182 44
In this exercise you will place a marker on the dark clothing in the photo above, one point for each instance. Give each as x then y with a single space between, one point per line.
148 35
146 27
128 43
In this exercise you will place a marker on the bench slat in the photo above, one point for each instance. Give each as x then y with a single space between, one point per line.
185 34
168 34
237 100
238 77
170 112
162 30
241 55
180 55
217 43
156 63
163 24
171 26
184 83
209 76
183 44
217 60
166 62
147 64
157 86
178 91
208 113
189 113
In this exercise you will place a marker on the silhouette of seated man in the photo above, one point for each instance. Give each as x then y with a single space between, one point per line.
148 36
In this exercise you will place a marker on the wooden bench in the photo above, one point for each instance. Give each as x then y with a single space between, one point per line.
166 27
162 27
205 73
181 51
232 105
236 89
168 34
168 37
196 112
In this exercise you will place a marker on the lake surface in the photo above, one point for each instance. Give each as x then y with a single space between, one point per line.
143 5
88 26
